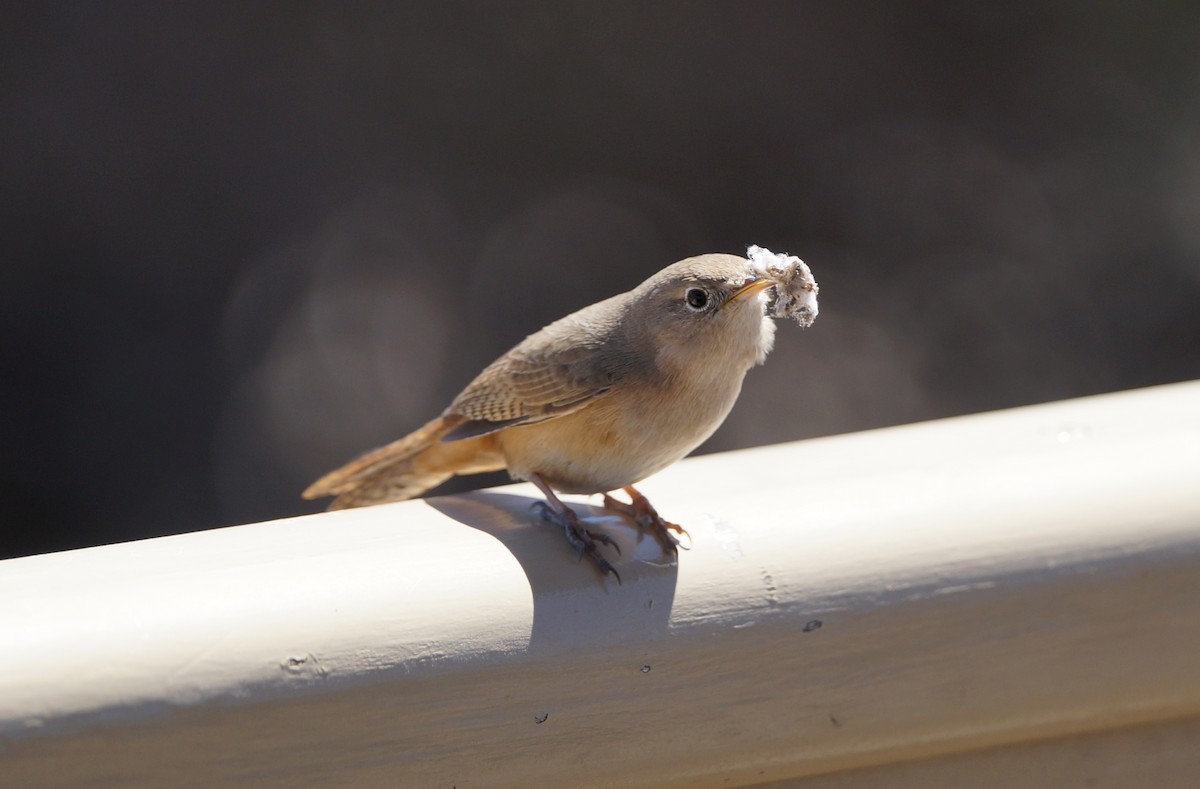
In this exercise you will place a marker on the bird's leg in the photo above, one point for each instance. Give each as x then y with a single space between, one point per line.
641 512
582 540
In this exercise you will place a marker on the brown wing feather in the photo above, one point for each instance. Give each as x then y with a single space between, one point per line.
520 391
554 372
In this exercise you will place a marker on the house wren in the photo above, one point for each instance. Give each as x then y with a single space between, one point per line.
602 398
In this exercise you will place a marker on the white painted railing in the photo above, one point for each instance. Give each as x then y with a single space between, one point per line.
1011 598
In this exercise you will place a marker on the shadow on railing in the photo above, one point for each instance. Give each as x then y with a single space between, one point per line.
566 612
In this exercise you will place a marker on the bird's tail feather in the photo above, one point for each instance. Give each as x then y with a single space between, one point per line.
406 467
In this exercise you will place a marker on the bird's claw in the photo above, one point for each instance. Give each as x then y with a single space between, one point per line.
603 538
646 518
581 539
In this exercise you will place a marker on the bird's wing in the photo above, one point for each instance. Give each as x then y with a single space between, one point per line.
516 391
536 381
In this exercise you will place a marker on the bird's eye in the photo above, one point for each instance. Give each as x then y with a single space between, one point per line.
696 298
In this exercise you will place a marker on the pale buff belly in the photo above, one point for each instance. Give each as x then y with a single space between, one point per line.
620 439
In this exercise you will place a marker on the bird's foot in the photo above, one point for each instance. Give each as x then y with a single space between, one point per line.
581 539
646 518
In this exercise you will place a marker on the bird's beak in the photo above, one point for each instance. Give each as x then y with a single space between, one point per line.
751 287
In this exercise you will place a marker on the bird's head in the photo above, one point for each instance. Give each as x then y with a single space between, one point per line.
706 310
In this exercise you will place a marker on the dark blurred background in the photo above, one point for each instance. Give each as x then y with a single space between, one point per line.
243 242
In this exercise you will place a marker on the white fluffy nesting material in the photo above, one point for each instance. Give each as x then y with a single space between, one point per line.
795 289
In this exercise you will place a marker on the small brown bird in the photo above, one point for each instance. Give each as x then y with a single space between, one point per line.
602 398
